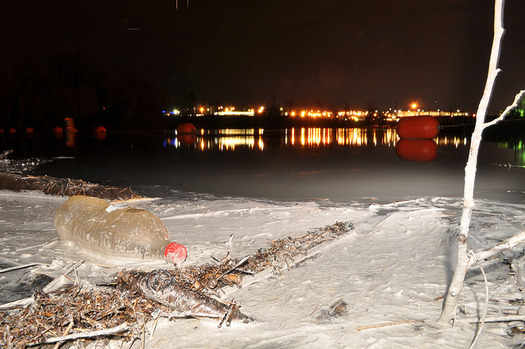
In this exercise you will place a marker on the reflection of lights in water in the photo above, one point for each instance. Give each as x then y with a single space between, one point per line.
312 136
359 137
229 143
519 150
233 139
224 140
236 131
261 144
452 141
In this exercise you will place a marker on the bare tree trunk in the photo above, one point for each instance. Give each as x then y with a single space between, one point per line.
456 285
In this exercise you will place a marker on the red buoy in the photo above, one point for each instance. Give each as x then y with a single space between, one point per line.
100 132
187 138
423 150
186 128
419 127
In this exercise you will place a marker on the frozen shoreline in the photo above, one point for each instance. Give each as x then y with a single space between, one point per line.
394 266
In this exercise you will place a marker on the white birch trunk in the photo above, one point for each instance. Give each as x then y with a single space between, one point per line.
456 285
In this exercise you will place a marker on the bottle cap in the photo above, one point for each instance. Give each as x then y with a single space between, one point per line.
175 253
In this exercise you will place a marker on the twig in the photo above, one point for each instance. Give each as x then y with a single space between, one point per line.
17 267
143 341
386 324
55 284
241 262
482 322
66 331
107 332
227 315
503 318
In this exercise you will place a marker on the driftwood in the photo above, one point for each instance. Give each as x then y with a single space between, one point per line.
64 186
100 333
162 287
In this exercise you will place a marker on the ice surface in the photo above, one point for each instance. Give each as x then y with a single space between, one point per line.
394 266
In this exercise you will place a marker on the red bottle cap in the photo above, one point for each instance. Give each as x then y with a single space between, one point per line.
175 253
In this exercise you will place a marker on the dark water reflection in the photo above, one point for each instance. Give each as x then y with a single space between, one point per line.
292 164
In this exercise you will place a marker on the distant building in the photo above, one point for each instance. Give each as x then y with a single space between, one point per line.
434 113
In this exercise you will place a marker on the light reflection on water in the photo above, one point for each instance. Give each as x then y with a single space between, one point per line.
232 139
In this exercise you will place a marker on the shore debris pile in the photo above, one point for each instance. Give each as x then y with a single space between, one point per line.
64 186
120 310
282 254
91 312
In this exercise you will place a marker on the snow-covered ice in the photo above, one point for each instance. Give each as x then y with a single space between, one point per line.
394 266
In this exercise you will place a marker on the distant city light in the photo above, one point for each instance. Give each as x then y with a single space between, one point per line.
353 115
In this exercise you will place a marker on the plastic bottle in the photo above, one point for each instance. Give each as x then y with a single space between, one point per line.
95 227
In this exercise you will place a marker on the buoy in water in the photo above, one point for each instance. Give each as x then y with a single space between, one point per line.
100 132
187 138
186 128
423 150
105 231
418 127
70 124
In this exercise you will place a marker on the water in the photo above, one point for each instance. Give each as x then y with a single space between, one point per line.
333 165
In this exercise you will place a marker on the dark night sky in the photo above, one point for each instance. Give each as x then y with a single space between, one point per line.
298 52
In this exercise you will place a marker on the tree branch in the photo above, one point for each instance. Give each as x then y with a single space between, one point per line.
507 110
503 246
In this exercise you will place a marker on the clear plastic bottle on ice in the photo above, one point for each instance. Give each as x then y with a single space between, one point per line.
97 228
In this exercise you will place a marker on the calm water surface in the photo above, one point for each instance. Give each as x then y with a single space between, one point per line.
292 164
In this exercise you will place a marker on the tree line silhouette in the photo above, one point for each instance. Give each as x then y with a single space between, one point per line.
40 92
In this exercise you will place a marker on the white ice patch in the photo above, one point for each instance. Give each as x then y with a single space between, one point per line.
393 267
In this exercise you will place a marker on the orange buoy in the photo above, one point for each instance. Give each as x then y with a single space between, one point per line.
418 127
186 128
12 131
70 124
100 132
423 150
187 138
30 130
70 138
